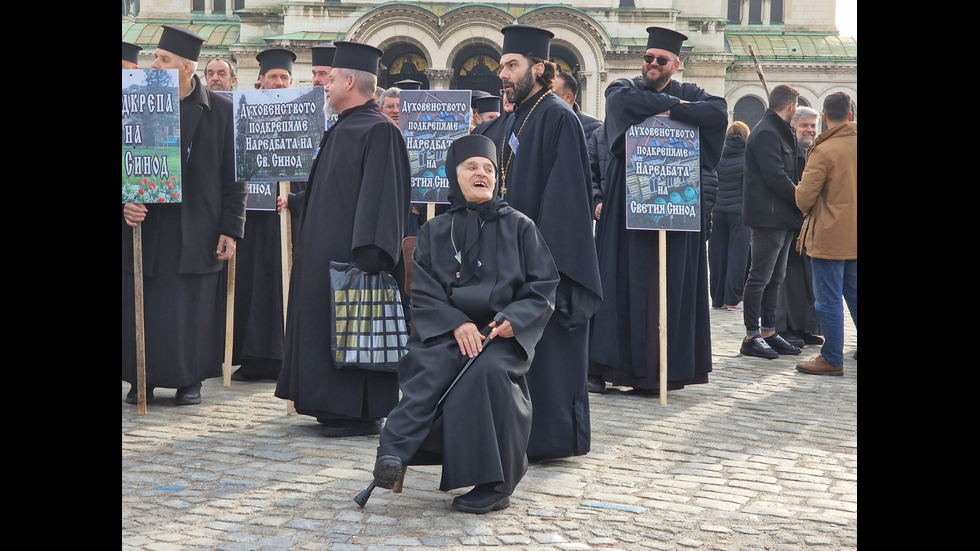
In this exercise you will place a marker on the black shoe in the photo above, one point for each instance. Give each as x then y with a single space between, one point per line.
792 339
596 384
257 370
481 499
247 376
237 375
188 395
387 471
855 356
810 338
758 347
132 397
338 428
779 344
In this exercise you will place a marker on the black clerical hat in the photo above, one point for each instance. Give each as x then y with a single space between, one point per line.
409 84
180 41
665 39
475 95
487 104
356 56
323 54
275 58
131 52
527 40
472 145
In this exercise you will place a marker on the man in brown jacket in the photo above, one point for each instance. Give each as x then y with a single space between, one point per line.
827 194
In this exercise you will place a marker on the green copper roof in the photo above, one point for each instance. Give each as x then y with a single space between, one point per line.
308 36
786 46
218 34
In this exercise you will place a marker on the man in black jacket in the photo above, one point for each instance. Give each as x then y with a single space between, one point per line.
769 210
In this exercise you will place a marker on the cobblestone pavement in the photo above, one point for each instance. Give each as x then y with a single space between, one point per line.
762 457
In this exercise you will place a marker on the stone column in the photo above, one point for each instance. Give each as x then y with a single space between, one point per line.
439 79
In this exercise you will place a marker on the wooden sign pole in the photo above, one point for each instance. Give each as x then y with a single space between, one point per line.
663 317
229 322
140 338
286 246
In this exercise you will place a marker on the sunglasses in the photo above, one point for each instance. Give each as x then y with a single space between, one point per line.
661 60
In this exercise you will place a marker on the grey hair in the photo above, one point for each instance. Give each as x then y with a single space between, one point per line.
804 112
366 81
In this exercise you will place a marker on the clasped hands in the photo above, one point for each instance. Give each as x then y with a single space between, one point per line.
470 340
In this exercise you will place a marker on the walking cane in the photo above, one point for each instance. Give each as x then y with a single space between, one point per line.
361 498
499 318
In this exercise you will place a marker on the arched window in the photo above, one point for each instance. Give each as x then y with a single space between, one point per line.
403 62
749 110
567 63
479 72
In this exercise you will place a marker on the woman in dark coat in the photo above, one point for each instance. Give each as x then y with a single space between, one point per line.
728 246
480 258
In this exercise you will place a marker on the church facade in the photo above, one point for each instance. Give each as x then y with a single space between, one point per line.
735 49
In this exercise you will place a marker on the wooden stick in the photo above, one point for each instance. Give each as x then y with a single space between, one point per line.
758 70
140 337
229 322
663 317
286 246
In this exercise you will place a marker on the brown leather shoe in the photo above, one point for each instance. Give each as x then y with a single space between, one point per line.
820 366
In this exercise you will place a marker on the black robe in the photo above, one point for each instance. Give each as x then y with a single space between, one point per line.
549 180
184 285
493 129
625 345
485 421
354 210
259 324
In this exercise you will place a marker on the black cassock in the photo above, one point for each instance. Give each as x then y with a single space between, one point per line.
625 345
486 418
493 129
259 323
184 283
355 209
549 180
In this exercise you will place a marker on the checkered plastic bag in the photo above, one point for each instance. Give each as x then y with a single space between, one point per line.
369 330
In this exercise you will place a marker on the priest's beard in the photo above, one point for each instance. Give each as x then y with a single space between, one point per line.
658 84
522 88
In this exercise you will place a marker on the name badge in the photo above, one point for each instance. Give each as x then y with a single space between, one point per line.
514 142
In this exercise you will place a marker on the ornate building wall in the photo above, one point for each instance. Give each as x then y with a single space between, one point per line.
447 44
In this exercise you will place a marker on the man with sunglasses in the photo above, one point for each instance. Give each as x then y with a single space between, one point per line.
624 348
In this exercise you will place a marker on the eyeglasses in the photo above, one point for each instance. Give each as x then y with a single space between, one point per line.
661 60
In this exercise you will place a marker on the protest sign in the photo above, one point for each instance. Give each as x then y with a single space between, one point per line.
150 136
430 120
277 133
663 175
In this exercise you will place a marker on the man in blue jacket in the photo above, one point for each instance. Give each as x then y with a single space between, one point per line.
770 212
